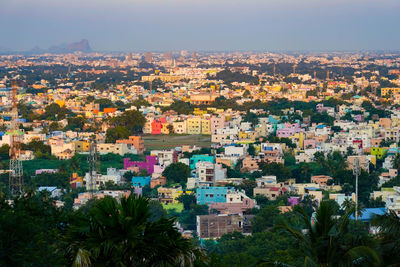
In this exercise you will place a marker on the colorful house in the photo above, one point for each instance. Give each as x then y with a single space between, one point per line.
193 126
200 158
136 166
75 181
141 181
156 125
212 194
205 126
378 152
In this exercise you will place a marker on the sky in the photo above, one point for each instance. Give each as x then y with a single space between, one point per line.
202 25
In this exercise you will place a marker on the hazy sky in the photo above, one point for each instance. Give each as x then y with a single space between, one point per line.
140 25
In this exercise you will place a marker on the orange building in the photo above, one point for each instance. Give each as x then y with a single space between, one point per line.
136 141
320 179
109 110
158 181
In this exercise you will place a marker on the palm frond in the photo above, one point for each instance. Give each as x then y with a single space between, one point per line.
82 258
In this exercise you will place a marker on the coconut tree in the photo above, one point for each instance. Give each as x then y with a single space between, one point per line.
389 226
328 240
120 234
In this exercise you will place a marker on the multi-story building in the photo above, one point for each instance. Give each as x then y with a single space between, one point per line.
120 149
216 123
179 127
216 225
81 146
212 194
393 201
165 157
199 158
390 90
205 126
193 125
135 141
207 173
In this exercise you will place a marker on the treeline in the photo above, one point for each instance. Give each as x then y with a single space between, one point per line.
34 232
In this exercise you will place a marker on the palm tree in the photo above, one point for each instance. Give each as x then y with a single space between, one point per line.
121 234
389 226
328 241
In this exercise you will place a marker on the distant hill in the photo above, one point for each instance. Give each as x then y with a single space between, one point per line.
82 46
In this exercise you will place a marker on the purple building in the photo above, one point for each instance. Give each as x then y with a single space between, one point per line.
147 165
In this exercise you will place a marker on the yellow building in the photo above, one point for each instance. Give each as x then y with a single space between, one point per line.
300 138
165 128
378 152
390 90
193 126
163 77
61 103
81 146
205 126
170 194
273 88
243 135
199 112
203 99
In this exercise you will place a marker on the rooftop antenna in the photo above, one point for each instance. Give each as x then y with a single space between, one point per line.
16 171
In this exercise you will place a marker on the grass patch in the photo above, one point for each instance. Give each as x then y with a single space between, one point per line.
171 141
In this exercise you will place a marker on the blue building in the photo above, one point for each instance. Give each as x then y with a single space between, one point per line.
197 158
141 181
272 120
368 214
212 194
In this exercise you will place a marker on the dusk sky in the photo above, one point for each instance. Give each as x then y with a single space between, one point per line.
149 25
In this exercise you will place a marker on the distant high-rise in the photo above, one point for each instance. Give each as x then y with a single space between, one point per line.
148 57
129 57
194 56
167 56
184 53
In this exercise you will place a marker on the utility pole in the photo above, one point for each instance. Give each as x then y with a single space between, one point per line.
356 172
92 159
16 171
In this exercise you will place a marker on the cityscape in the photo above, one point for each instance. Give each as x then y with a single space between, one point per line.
198 157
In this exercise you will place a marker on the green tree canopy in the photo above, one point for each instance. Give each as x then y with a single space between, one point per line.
177 173
132 120
121 234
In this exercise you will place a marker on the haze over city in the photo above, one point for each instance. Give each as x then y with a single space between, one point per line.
155 25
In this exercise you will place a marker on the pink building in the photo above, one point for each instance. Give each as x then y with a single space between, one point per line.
216 123
289 130
309 143
136 166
